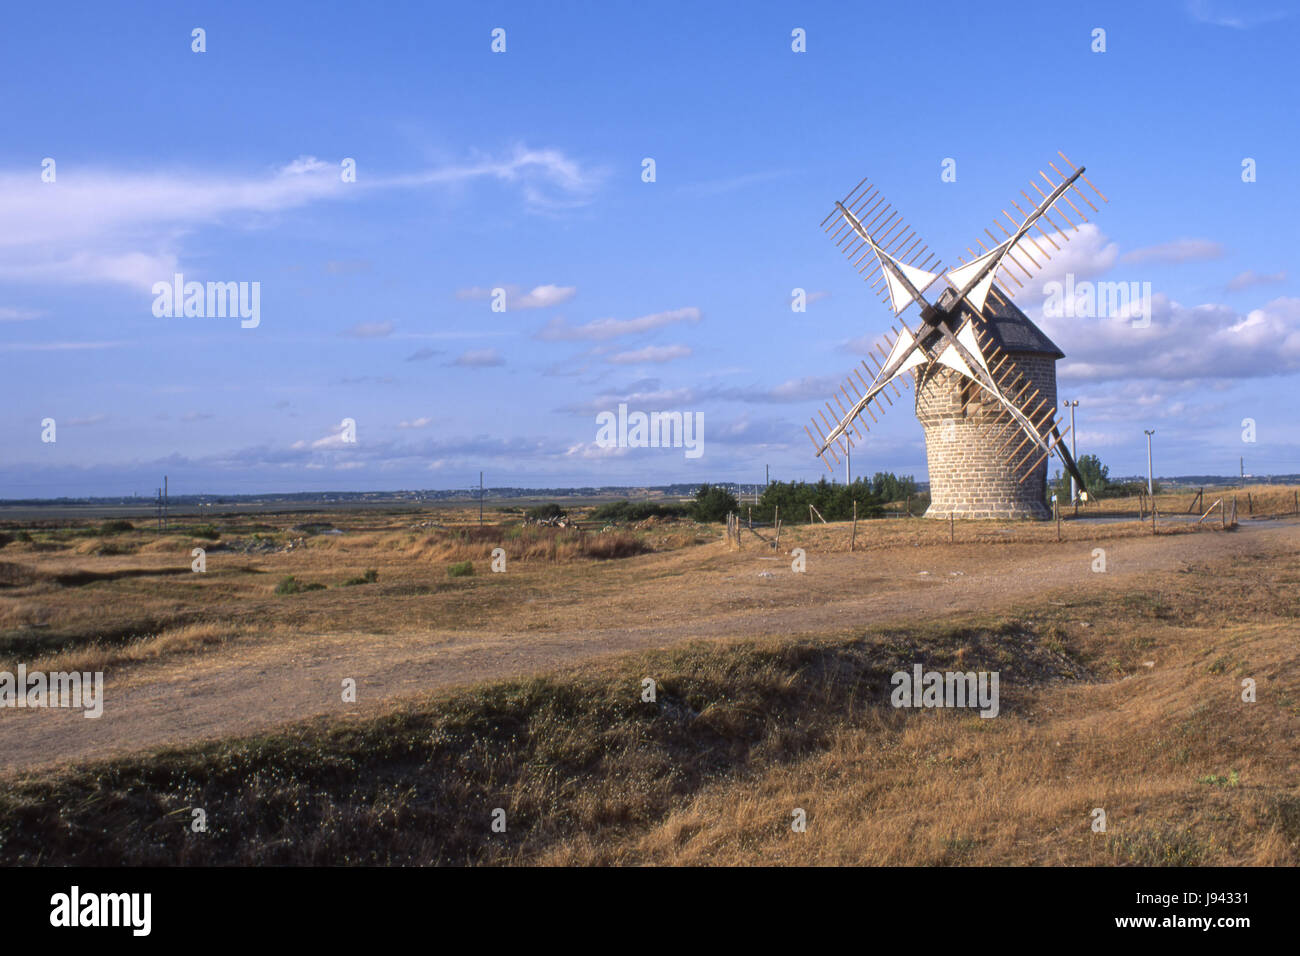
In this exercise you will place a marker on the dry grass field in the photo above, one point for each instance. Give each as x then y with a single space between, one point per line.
522 691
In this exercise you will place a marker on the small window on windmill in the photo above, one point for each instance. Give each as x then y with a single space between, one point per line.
972 399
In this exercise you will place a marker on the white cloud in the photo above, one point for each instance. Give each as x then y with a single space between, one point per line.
1179 250
416 423
478 358
558 330
370 330
1249 278
124 227
651 353
540 297
1210 341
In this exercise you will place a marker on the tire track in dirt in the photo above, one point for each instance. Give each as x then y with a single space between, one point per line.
250 687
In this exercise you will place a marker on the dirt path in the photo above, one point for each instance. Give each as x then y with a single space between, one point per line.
250 686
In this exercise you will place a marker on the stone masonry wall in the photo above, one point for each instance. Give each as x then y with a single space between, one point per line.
967 477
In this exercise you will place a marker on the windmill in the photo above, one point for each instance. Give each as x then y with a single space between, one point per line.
984 374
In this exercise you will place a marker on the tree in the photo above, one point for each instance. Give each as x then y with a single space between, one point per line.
1095 479
713 503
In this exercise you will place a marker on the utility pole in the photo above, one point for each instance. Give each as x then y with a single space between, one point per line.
480 499
1150 491
166 504
848 464
767 476
1074 485
1243 471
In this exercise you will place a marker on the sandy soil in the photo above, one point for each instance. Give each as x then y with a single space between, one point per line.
253 685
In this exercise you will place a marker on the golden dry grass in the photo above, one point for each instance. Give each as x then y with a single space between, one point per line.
1127 700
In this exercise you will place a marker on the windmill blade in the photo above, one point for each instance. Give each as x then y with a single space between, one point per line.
905 353
1030 417
974 280
878 242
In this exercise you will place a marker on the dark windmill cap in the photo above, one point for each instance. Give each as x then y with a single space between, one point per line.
1013 332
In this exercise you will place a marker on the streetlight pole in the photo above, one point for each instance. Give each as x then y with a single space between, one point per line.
1150 491
1074 453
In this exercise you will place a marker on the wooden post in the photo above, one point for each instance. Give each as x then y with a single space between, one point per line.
810 514
909 506
950 527
751 517
1058 523
1250 504
776 520
1223 515
854 537
1142 510
1153 517
1295 510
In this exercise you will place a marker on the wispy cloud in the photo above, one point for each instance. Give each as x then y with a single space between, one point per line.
478 358
651 353
540 297
1249 278
559 330
420 355
1179 250
126 227
56 346
370 330
1218 14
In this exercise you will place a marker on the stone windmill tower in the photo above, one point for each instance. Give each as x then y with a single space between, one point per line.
985 376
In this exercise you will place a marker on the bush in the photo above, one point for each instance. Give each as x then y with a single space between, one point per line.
291 585
620 544
370 577
713 503
833 502
206 531
544 512
460 569
116 527
627 511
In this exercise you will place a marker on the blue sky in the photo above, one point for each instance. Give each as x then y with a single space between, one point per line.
523 170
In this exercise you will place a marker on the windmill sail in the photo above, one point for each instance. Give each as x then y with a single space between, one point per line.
952 335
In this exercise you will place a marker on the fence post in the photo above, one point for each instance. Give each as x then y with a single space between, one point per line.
1153 517
854 538
776 520
950 526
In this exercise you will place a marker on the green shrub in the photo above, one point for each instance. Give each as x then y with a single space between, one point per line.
460 569
116 526
833 502
713 503
370 577
627 511
291 585
207 531
544 512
